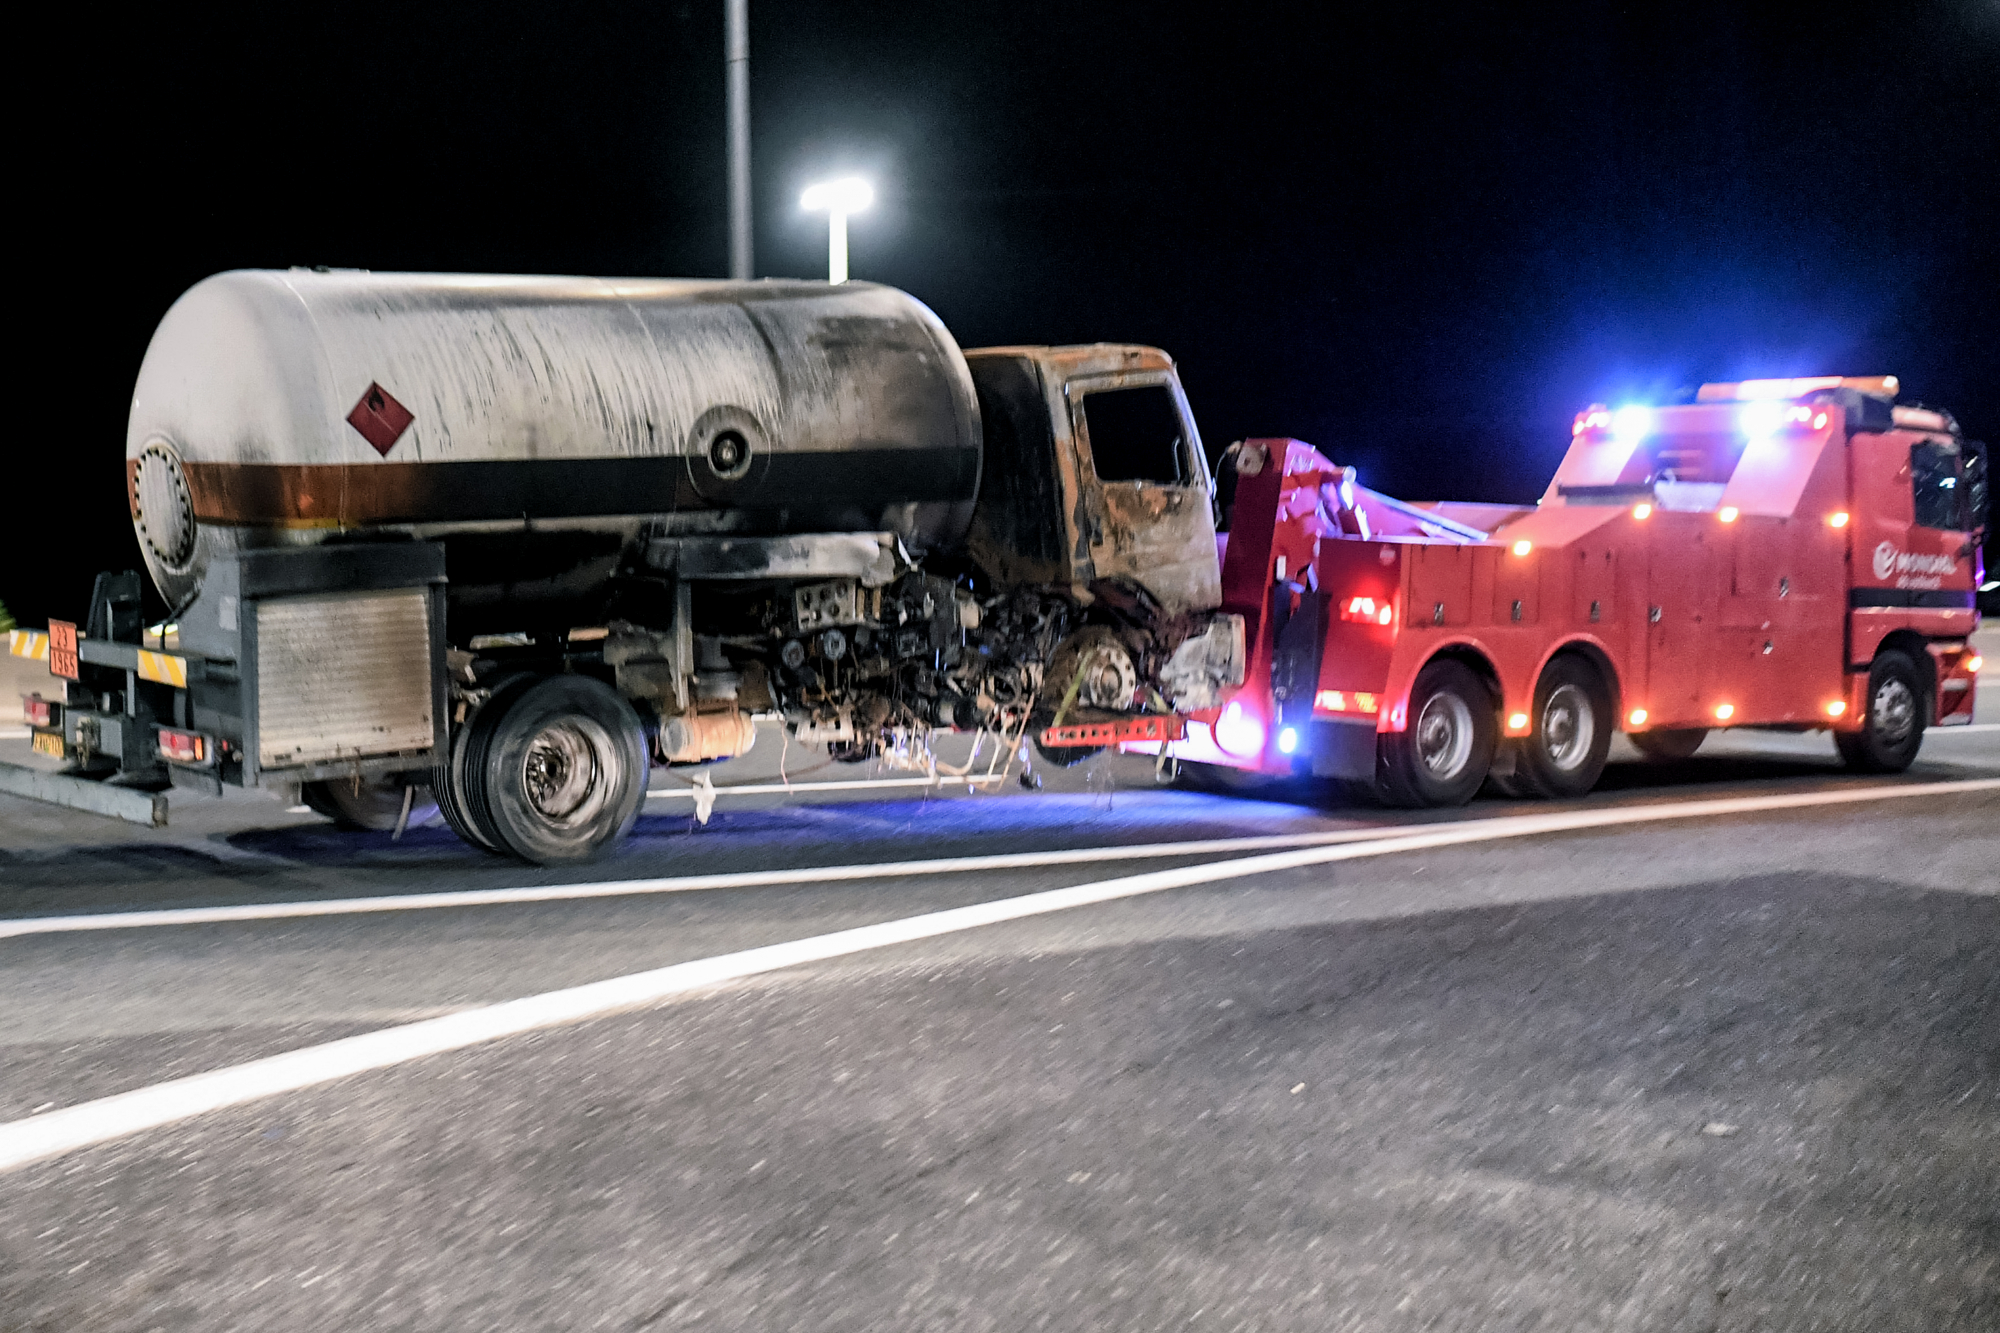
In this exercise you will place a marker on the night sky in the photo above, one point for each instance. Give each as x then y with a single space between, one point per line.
1418 237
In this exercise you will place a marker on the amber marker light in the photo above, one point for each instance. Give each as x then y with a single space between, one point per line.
1642 511
1724 712
1523 547
1975 664
1836 708
1727 513
1637 717
1517 722
1838 520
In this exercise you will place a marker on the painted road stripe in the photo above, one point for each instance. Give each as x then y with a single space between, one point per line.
798 788
57 1132
623 888
751 879
1931 732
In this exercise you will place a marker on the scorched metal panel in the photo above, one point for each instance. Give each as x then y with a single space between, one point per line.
342 676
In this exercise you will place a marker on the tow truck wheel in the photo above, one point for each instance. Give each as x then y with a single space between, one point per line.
1892 730
374 804
557 772
1444 753
1563 754
1670 743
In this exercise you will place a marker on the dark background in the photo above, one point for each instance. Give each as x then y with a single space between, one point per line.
1418 237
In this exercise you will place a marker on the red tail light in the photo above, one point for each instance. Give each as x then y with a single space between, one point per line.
41 712
183 747
1368 611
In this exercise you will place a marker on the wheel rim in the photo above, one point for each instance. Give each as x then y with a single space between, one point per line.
1109 678
1569 727
1895 711
1444 735
567 771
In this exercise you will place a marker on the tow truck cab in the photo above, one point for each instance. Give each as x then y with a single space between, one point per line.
1771 554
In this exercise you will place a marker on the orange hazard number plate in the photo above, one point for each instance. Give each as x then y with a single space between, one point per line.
62 650
50 743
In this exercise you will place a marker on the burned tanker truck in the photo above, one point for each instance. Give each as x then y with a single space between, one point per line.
517 539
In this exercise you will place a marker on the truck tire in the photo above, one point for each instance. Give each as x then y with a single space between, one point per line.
558 772
1444 753
1669 744
452 781
1562 756
374 806
1892 727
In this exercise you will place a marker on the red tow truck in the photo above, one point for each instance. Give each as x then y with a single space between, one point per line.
1788 554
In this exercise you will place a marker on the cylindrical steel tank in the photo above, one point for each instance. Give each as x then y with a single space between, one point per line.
298 406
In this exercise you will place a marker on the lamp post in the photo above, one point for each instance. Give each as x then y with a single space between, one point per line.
736 65
837 199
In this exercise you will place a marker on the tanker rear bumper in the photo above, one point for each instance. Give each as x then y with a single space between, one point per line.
98 798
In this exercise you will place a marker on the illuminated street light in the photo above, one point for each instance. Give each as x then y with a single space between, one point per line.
837 199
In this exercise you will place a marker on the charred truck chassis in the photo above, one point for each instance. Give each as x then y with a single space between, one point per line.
577 566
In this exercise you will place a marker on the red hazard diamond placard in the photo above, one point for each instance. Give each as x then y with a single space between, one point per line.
380 419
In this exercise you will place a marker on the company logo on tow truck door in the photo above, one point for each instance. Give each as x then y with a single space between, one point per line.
1914 570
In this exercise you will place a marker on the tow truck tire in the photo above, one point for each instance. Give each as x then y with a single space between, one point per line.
1892 727
1670 743
1562 756
1443 755
561 773
375 806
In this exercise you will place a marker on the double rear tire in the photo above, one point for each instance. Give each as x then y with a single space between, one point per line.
549 770
1447 749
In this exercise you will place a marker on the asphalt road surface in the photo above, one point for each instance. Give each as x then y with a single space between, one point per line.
1272 1061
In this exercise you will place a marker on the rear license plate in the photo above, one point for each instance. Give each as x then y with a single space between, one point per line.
50 743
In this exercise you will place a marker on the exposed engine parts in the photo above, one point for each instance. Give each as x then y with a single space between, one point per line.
866 670
856 666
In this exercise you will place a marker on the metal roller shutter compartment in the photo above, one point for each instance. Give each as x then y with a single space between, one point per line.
342 676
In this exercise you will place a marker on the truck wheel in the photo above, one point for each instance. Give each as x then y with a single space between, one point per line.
1444 753
559 773
1099 667
1893 729
1563 754
1670 743
374 806
452 780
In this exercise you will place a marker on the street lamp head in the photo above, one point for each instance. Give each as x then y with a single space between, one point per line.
850 195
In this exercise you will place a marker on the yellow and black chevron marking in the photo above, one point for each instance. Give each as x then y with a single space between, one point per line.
28 643
164 668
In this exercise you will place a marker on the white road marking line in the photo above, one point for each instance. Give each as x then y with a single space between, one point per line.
1960 731
14 733
56 1132
795 788
626 888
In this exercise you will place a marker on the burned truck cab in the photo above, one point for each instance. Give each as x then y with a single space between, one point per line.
1094 475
